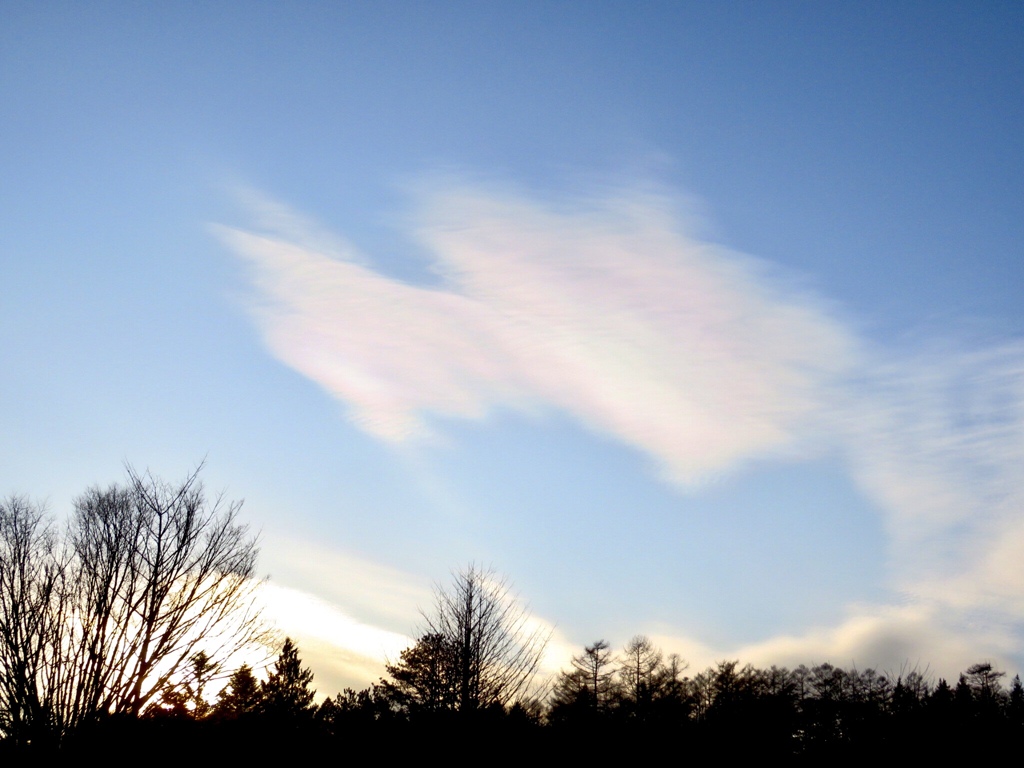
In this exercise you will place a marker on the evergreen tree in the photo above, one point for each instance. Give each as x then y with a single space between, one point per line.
286 693
963 699
1015 708
241 696
425 679
202 670
941 699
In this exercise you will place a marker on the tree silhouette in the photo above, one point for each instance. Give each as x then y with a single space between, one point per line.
32 588
424 679
286 693
584 691
241 697
984 681
111 620
158 571
495 648
641 674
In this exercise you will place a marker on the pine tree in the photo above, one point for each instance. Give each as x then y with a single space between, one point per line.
241 696
1015 708
286 692
425 677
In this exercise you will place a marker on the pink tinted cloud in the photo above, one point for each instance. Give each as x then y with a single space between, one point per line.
606 310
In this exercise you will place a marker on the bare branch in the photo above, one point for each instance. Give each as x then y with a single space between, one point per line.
150 576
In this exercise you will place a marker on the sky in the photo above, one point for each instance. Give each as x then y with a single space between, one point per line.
699 321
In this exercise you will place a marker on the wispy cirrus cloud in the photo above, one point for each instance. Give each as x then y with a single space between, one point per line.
937 439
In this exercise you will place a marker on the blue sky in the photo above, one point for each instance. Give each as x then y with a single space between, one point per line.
699 321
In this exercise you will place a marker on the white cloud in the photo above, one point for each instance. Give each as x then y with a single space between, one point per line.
377 594
886 638
938 442
605 310
344 652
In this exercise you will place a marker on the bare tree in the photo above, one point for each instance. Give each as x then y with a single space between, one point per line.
586 688
640 671
31 586
493 645
151 576
595 666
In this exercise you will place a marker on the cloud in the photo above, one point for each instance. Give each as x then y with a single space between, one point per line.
606 310
886 638
936 437
377 594
701 358
344 652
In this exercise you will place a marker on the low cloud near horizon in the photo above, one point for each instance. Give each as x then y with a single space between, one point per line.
698 357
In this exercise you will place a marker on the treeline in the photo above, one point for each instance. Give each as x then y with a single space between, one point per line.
603 701
643 698
471 678
121 629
